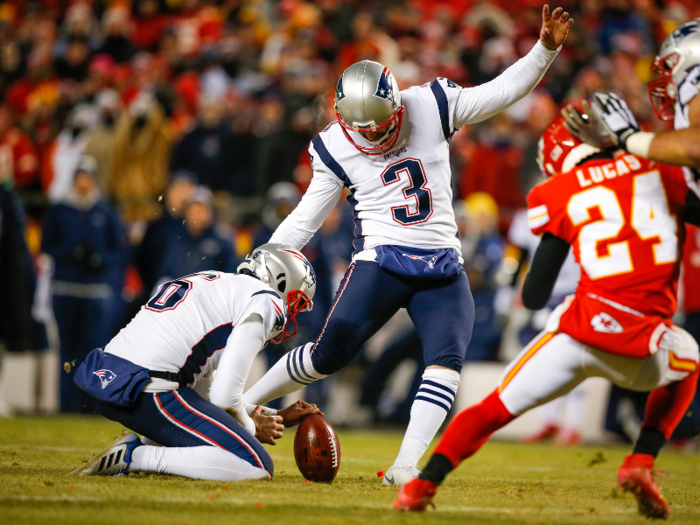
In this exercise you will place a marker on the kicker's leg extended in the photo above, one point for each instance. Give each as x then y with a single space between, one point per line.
366 299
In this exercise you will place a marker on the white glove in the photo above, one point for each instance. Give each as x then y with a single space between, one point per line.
588 126
616 116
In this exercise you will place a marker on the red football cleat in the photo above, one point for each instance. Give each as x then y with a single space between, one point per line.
636 476
547 433
415 495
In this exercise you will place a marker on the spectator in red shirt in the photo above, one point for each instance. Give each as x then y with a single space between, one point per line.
149 24
494 167
17 156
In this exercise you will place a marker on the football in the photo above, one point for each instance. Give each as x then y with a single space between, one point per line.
316 449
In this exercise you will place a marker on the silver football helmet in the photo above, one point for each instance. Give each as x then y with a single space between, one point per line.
289 274
678 54
367 98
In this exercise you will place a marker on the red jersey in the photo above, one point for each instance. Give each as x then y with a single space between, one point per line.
623 218
690 277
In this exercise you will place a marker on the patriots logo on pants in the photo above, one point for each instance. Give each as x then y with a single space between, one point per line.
429 260
106 376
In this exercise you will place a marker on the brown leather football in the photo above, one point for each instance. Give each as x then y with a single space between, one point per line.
316 449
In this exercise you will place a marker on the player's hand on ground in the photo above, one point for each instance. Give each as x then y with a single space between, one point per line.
294 413
268 429
588 126
555 27
616 116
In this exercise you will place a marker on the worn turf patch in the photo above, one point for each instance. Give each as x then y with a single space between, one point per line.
505 483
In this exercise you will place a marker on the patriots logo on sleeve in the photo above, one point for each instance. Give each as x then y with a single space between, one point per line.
106 376
280 320
384 88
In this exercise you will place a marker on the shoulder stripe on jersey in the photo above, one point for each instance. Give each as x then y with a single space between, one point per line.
329 161
441 99
537 216
262 292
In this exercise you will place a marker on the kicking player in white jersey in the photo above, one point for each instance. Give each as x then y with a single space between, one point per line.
391 150
191 327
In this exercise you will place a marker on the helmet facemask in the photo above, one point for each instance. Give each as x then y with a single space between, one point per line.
662 90
382 145
297 302
290 275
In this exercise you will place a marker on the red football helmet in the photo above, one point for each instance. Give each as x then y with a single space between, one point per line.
662 90
558 151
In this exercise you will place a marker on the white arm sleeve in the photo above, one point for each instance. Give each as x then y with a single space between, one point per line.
318 201
482 102
244 343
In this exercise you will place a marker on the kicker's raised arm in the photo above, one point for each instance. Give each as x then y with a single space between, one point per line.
481 102
318 201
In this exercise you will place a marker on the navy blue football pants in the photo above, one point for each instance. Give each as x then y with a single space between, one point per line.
182 418
442 310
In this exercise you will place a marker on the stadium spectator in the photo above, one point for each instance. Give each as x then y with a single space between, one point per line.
202 150
64 155
494 166
88 243
140 167
482 249
202 246
18 159
169 225
101 141
281 199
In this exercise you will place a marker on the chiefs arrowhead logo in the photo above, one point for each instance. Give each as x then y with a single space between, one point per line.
606 324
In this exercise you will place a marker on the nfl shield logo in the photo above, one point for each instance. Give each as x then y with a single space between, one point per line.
106 376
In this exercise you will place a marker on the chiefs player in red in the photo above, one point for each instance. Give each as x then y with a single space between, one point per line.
624 218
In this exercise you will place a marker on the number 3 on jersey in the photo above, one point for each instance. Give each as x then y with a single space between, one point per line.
650 219
422 209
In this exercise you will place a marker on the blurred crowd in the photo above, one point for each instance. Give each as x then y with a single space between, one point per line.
147 139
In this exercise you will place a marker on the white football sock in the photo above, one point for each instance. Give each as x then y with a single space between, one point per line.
291 373
430 407
203 462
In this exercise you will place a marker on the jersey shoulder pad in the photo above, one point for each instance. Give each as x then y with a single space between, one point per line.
321 156
270 307
690 86
539 207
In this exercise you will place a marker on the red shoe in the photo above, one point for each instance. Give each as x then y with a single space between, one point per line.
548 432
636 476
568 438
415 495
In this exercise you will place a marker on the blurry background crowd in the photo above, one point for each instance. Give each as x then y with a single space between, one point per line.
147 139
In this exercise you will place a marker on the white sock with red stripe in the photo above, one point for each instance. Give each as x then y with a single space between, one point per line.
205 462
430 408
291 373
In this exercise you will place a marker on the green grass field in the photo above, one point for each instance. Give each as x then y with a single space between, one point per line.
504 483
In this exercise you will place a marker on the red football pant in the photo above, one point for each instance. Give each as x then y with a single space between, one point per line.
472 427
667 405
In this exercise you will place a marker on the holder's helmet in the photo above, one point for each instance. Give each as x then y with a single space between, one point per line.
367 98
678 54
289 274
558 151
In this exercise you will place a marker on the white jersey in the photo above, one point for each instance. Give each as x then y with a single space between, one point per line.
521 236
404 197
186 325
687 91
